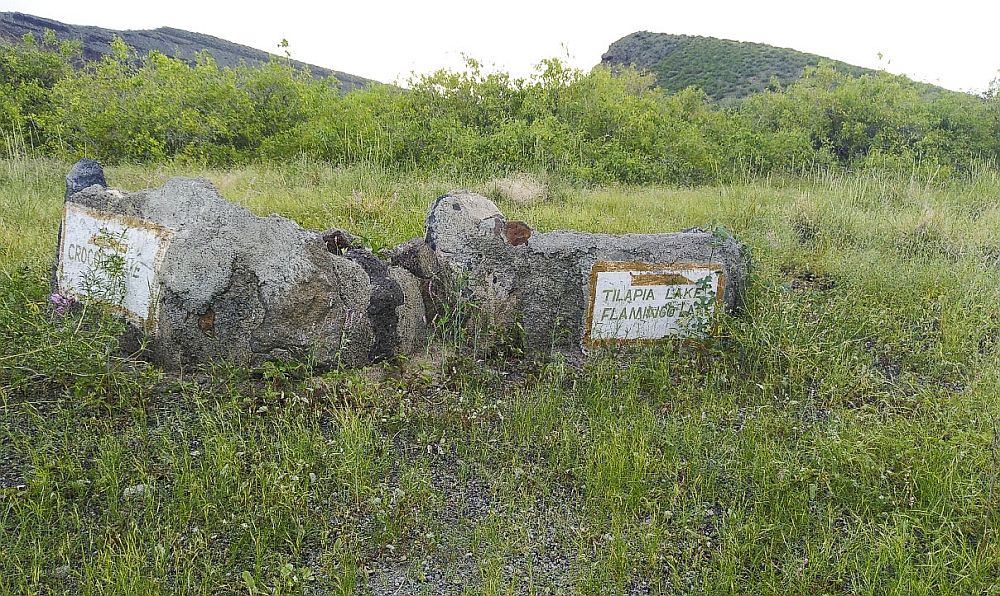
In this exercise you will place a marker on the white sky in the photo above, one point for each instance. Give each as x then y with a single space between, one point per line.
955 44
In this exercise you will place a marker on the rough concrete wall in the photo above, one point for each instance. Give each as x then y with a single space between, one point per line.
245 288
541 280
238 287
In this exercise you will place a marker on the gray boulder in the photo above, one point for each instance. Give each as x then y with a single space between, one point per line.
434 283
411 314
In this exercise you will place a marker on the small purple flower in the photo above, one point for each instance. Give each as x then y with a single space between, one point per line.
60 303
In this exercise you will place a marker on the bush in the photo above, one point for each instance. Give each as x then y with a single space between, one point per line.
595 126
28 72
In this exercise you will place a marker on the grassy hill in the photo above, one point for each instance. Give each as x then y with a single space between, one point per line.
725 69
177 43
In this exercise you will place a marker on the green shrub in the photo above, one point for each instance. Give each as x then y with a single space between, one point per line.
597 126
28 72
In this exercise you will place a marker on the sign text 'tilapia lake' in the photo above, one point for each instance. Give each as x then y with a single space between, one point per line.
636 301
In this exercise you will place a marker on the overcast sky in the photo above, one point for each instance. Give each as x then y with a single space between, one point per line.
955 44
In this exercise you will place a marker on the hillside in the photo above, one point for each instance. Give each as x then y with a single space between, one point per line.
725 69
172 42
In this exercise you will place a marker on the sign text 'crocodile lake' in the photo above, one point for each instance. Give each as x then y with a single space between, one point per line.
111 258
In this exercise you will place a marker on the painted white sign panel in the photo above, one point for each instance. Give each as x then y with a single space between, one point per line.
111 258
648 301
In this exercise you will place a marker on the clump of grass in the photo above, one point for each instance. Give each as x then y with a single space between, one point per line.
52 349
519 188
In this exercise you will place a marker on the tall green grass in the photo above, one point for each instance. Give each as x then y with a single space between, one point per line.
837 436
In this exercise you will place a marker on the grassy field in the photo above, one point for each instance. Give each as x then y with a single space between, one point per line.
840 436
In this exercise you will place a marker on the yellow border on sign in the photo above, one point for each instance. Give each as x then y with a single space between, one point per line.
605 266
163 233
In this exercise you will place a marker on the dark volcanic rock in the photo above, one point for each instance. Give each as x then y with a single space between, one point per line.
386 297
84 173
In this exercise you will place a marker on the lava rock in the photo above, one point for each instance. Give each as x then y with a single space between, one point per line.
84 174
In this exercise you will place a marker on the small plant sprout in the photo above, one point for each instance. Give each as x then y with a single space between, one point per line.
105 281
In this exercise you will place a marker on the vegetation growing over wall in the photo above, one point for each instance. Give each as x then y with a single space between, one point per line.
592 127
